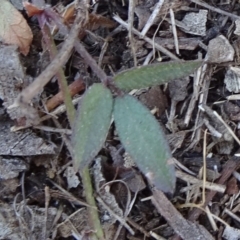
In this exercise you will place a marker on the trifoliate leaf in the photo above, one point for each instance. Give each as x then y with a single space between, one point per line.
144 140
91 125
155 74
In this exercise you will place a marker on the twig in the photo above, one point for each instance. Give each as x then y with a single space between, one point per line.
34 88
157 46
233 97
231 214
103 51
227 127
193 180
69 195
122 221
47 200
91 62
186 229
156 236
203 4
152 18
74 88
205 166
59 110
174 31
138 227
228 169
148 58
131 8
64 137
55 130
211 219
198 79
62 81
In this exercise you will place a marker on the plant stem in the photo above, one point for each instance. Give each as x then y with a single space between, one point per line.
93 213
60 75
37 85
86 179
91 62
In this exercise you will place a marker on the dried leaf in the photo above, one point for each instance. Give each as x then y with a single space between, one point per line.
144 140
94 22
156 74
92 124
14 28
31 9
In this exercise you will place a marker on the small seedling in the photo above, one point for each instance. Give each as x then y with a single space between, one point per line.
138 130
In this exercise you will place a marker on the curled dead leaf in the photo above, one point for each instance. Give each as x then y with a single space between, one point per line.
14 29
31 9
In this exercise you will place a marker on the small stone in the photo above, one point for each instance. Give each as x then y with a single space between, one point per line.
232 79
195 23
219 50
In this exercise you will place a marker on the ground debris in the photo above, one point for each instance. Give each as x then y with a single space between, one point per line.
220 50
74 225
195 23
10 168
22 143
106 195
196 30
12 80
232 79
24 222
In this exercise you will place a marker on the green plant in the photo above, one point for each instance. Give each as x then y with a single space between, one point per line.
138 130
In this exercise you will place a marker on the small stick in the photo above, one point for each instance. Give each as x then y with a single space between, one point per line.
211 219
55 130
231 214
186 229
152 18
233 97
204 166
157 46
59 110
203 4
138 227
227 127
74 88
130 26
193 180
174 31
91 62
121 220
47 200
228 169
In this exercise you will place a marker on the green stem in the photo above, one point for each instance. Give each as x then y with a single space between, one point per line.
60 76
86 179
93 213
